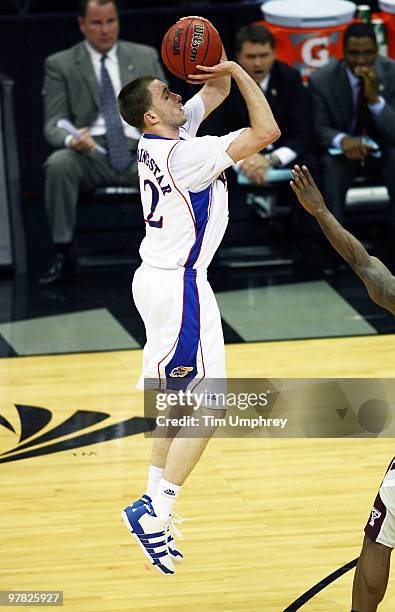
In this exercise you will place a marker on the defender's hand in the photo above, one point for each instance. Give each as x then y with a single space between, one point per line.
306 190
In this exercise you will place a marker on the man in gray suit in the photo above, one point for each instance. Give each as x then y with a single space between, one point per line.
81 85
354 101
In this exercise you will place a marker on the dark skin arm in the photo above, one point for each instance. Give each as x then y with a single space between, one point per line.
376 277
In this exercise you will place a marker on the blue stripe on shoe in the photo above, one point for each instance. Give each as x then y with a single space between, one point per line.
146 536
133 515
158 555
152 544
163 568
144 499
175 553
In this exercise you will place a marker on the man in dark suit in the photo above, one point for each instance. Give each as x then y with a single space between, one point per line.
354 101
81 85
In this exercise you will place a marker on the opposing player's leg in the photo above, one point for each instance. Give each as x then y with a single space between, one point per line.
371 576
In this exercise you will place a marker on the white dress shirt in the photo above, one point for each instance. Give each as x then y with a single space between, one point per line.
98 128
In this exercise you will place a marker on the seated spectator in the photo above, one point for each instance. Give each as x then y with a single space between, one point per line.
290 103
354 114
81 85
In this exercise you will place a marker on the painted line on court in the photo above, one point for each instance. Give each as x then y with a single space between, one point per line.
298 603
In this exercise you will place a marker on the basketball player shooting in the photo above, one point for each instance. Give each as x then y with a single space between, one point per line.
184 198
372 572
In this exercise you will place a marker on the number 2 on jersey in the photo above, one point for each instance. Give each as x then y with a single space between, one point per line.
154 204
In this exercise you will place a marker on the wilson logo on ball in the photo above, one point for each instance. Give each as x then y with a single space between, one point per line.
197 40
190 42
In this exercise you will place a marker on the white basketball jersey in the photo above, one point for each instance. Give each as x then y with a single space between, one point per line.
184 193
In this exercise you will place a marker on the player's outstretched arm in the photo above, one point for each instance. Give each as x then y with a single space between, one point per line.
378 280
263 128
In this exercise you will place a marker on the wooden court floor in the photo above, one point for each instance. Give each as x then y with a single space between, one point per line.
271 517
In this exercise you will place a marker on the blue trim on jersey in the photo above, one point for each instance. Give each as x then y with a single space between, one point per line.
160 137
200 203
185 354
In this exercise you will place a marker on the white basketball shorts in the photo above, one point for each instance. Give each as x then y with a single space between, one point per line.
183 327
381 524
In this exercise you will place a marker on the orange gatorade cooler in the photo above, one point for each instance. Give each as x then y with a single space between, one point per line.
388 15
308 32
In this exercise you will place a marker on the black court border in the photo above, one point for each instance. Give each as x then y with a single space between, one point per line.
320 586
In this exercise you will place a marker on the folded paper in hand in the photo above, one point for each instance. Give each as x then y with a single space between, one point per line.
65 124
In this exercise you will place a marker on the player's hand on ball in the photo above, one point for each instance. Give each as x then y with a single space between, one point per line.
306 190
208 73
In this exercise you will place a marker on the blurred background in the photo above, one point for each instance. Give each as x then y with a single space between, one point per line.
257 266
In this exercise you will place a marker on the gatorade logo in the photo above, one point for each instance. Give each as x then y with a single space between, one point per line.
310 51
315 52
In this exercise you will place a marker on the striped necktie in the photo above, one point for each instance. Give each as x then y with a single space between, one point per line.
117 143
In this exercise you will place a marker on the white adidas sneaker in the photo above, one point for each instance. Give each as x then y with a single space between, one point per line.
151 534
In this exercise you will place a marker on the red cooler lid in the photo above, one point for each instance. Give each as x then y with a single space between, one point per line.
309 13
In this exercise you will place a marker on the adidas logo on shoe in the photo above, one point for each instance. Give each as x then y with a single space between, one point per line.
169 492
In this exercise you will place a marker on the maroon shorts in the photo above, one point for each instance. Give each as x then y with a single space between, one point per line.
381 524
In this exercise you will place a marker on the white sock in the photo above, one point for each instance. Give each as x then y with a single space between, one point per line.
165 497
154 477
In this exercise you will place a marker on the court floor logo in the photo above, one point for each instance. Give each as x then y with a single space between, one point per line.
33 441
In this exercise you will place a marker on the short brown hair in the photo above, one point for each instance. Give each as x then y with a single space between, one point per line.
135 99
84 5
255 34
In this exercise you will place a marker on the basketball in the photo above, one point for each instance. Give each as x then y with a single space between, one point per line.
190 42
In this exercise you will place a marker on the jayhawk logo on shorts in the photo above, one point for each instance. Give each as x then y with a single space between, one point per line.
180 371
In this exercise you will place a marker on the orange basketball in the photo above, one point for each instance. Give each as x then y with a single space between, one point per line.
190 42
